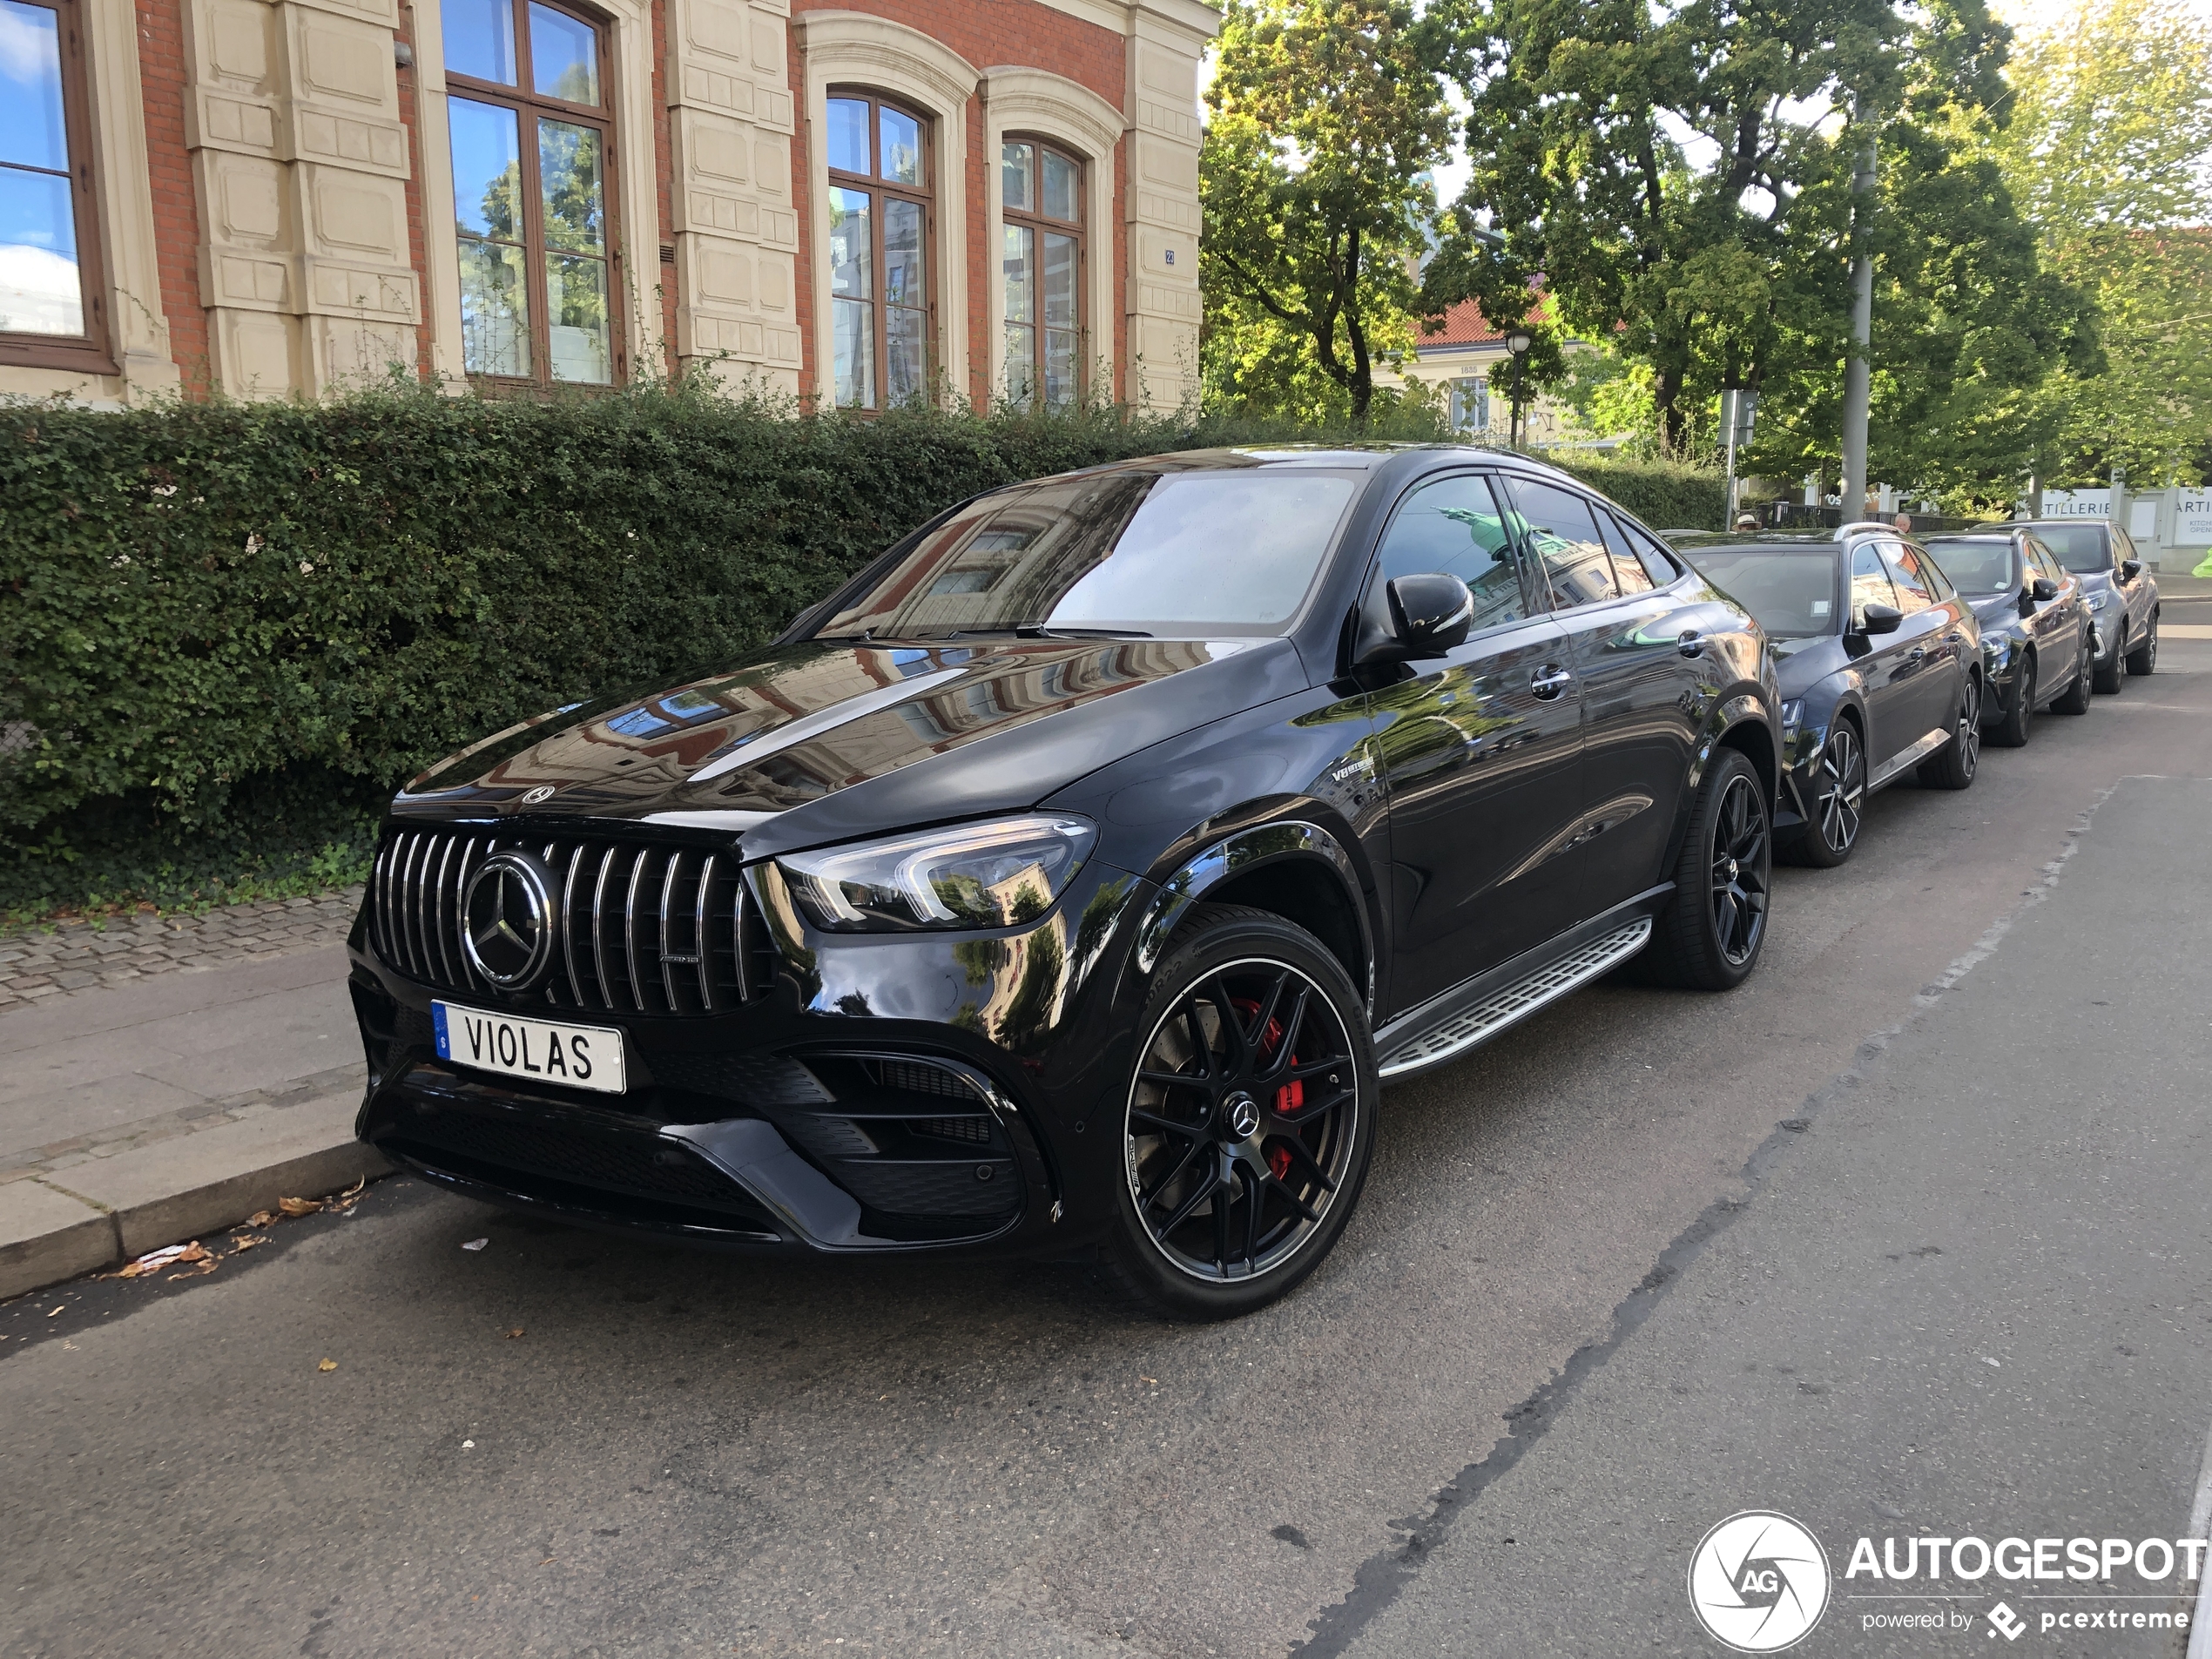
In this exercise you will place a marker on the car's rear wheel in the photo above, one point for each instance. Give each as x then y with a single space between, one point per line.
1954 765
1709 935
2075 698
1247 1122
1839 799
2011 732
2144 657
2108 674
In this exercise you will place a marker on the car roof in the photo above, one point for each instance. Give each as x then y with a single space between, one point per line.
1777 542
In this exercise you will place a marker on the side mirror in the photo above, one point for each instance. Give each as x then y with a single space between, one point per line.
2042 589
1880 619
1429 614
2130 569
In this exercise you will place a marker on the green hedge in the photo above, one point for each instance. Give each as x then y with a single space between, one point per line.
225 622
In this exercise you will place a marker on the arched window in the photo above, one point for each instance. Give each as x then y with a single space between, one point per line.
50 287
533 136
1041 270
879 226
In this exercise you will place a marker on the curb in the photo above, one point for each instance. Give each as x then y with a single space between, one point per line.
101 1214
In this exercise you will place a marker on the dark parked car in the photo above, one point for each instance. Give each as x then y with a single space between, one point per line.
2122 592
2037 647
1880 667
1069 881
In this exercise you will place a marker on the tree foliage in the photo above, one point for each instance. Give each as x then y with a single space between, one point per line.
1314 179
1679 178
2108 147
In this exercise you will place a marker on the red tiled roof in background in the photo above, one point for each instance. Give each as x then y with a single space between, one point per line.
1463 325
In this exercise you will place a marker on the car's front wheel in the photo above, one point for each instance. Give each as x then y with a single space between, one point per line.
2107 675
1709 935
2011 731
1839 799
2144 657
1247 1120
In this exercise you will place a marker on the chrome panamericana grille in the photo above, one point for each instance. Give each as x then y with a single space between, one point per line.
640 928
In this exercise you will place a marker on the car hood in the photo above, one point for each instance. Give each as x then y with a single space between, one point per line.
1998 610
1799 663
807 743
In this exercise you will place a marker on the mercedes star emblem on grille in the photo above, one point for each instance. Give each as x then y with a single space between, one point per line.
507 919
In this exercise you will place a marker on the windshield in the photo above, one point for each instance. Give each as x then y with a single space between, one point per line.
1171 553
1981 566
2080 547
1792 593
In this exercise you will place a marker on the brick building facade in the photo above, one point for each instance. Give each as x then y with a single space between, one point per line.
861 203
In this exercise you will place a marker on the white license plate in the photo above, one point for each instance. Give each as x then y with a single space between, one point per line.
576 1056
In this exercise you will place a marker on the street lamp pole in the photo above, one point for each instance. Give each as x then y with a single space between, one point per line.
1855 367
1518 342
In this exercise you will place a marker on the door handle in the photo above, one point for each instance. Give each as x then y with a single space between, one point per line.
1952 637
1550 680
1916 653
1692 643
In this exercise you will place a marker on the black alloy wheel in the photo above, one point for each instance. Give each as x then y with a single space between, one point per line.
2143 659
1955 764
1839 799
1248 1121
1708 936
2011 731
2075 698
2107 675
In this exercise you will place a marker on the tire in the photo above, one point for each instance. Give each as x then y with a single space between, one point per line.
1839 801
1955 765
1711 934
1218 1100
2107 673
2075 698
2144 657
2011 731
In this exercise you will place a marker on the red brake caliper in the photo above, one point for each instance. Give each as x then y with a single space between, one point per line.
1289 1097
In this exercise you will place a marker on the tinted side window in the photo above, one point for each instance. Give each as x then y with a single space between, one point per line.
1870 583
1938 584
1659 561
1629 574
1560 530
1914 592
1453 527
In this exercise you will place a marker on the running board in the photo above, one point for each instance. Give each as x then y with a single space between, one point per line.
1517 1001
1909 756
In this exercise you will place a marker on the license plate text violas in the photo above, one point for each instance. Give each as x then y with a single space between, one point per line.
574 1056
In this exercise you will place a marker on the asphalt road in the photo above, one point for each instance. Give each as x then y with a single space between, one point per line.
1992 1027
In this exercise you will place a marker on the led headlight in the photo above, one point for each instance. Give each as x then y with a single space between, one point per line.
1793 715
2101 599
971 875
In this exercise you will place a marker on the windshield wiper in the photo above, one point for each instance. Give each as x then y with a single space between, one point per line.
1044 630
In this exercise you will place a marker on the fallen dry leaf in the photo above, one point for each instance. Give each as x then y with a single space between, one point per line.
296 1207
259 1218
356 1190
516 1331
328 1365
54 1314
247 1241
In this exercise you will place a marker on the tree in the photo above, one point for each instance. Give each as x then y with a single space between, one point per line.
1681 180
1314 179
2109 148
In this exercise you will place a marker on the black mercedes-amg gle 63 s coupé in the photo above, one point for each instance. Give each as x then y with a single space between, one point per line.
1070 880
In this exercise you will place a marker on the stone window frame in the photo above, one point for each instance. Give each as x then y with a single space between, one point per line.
531 107
87 351
858 51
1023 103
632 183
129 358
881 191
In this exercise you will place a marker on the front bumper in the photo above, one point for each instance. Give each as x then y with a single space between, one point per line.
883 1093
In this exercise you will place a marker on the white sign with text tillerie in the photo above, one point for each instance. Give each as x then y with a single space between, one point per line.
2077 503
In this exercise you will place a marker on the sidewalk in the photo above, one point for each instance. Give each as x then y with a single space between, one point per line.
159 1105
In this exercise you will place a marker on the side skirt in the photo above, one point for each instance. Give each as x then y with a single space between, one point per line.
1907 757
1472 1013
